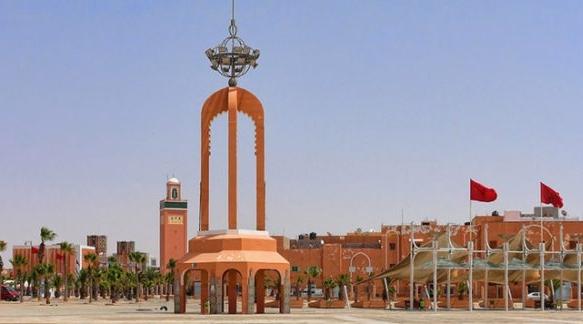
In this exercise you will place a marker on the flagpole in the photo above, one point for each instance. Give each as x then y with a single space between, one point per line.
541 211
541 223
470 219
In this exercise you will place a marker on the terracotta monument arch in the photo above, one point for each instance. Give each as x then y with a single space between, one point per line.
233 257
232 100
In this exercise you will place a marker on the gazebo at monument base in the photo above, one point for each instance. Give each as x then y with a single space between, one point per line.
229 260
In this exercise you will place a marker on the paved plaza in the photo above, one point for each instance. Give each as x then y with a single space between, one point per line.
149 312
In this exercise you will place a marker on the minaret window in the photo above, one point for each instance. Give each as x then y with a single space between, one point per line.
174 193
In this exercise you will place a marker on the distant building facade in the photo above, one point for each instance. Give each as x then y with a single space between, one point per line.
360 253
99 242
124 248
54 256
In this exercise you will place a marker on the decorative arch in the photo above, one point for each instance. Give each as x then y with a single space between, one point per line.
232 100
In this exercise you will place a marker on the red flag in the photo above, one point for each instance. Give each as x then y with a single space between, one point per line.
549 196
479 192
34 250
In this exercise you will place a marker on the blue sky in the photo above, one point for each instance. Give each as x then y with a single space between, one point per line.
371 107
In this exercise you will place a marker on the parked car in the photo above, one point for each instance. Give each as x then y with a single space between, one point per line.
316 292
7 293
535 295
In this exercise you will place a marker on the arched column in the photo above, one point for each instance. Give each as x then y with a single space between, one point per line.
204 292
260 174
260 291
232 181
215 295
232 291
284 292
250 309
213 106
179 300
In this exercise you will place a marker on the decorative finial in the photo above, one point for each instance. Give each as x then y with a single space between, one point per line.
232 58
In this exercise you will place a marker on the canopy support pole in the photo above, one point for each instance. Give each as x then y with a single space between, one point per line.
486 255
506 276
524 290
541 248
579 248
448 289
435 245
486 288
471 278
411 267
387 290
561 258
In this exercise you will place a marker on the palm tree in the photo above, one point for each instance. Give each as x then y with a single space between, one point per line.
18 263
81 282
129 282
299 282
170 276
70 283
342 281
46 235
329 284
148 279
313 272
67 250
138 258
355 288
57 282
34 282
103 282
2 249
45 271
91 260
114 277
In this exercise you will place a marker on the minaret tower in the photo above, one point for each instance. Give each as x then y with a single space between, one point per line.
173 222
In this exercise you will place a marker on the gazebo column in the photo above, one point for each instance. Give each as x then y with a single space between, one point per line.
250 309
244 295
179 297
260 291
232 291
204 292
216 295
284 291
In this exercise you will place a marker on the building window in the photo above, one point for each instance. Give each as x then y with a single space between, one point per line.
392 246
493 244
295 269
174 193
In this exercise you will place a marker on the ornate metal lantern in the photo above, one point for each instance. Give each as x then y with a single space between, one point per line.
232 58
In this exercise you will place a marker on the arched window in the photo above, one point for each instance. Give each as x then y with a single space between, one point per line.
174 193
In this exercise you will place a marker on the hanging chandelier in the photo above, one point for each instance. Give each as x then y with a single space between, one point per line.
232 58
